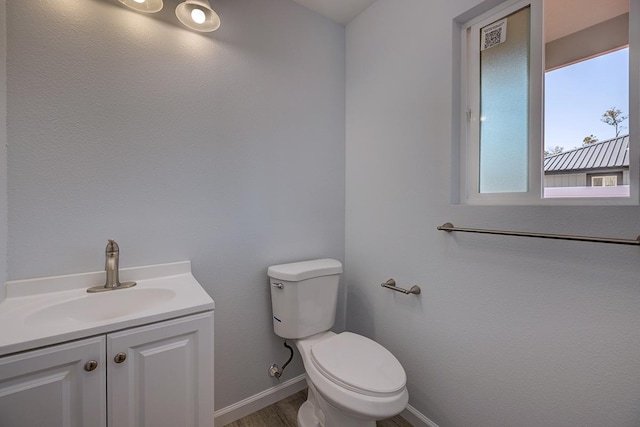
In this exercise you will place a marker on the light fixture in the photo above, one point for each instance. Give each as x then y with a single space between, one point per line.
198 15
146 6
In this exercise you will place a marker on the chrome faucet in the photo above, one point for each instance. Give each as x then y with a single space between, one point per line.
111 266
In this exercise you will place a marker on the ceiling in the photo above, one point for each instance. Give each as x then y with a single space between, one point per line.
341 11
564 17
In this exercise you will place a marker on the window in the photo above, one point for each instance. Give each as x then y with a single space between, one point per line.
524 137
604 181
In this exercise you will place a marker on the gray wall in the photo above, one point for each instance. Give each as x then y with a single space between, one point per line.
508 331
3 147
566 180
224 149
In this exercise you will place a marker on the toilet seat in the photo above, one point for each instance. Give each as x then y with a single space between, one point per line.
359 364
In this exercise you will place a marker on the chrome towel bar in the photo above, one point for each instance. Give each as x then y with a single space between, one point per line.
391 284
450 227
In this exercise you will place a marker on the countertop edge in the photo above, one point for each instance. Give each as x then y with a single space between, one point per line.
79 334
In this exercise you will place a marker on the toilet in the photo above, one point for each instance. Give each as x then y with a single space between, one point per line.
352 380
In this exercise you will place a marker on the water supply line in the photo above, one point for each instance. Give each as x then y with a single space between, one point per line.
274 370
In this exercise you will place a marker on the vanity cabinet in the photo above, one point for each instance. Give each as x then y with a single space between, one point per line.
50 386
161 375
157 375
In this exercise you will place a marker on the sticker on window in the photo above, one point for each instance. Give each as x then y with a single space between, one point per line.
494 34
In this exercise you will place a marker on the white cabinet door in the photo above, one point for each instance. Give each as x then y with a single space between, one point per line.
51 387
166 379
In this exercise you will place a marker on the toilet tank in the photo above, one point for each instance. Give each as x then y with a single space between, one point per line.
304 296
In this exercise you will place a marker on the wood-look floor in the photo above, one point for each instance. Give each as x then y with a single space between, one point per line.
285 413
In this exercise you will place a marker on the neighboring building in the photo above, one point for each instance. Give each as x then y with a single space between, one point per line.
601 164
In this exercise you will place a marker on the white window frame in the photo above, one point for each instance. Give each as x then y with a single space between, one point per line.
466 107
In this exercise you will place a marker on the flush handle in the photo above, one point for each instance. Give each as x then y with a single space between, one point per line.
277 285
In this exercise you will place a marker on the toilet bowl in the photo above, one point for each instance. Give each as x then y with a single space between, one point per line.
352 380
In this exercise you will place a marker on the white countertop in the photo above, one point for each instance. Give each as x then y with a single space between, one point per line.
30 302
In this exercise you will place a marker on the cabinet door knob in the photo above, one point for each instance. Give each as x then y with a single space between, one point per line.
120 357
90 365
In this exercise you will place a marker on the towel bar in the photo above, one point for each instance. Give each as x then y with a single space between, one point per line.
448 227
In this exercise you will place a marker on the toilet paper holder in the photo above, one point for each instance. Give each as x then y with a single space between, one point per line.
391 284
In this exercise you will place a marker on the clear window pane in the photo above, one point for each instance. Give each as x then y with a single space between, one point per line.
504 104
587 109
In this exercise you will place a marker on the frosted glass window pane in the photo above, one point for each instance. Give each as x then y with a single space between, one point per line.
504 106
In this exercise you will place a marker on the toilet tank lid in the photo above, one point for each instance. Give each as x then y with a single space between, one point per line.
297 271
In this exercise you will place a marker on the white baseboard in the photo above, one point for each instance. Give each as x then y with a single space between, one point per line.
274 394
258 401
416 418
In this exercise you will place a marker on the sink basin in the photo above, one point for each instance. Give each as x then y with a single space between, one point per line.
94 308
48 310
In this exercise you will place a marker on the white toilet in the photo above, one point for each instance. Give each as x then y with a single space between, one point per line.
353 381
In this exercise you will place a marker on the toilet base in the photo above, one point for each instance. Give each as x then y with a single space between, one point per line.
317 412
306 417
